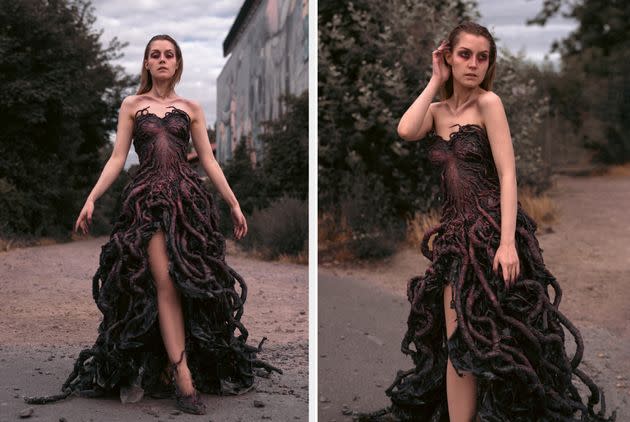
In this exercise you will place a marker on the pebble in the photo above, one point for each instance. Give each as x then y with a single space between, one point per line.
258 403
26 413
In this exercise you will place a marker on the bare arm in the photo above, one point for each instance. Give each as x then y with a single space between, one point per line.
418 119
201 142
500 139
116 161
113 166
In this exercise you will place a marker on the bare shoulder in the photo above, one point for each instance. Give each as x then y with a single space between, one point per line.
193 108
436 108
489 100
129 105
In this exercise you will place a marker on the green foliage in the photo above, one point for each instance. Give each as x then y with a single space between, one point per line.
603 25
58 98
245 181
373 234
526 104
369 72
595 76
279 180
285 154
374 60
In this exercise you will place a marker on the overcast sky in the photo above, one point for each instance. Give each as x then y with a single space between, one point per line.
200 26
506 21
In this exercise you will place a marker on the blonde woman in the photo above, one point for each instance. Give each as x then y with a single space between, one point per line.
485 337
169 303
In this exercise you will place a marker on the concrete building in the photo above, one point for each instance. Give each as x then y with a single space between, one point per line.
268 49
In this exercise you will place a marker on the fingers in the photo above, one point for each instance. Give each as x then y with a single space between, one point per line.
507 276
444 46
83 222
238 231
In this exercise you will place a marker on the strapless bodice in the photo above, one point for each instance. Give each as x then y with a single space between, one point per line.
162 139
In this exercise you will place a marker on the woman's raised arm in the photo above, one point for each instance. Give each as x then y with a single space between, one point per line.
418 119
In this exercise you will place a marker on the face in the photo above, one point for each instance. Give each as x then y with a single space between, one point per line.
162 61
469 59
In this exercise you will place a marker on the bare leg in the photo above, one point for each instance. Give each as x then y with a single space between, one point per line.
461 392
169 310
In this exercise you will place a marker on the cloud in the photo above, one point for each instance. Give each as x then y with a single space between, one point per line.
506 21
198 26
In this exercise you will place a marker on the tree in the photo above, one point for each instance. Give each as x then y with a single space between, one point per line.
374 60
369 71
59 97
595 57
285 150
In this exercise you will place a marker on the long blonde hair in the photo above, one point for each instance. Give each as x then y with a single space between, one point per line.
446 90
146 82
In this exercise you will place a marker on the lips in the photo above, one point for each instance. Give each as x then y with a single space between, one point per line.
470 74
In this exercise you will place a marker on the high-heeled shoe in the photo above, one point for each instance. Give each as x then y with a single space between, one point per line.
188 403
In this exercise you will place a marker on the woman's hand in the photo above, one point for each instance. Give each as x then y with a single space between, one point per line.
240 225
507 257
441 69
85 217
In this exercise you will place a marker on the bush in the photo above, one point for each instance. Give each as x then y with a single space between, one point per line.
280 229
362 226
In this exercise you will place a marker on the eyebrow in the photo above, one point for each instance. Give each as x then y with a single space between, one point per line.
468 49
166 51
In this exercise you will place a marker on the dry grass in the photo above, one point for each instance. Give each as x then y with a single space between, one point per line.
8 244
301 258
333 237
419 224
620 170
540 207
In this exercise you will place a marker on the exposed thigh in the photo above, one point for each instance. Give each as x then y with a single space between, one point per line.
449 314
158 259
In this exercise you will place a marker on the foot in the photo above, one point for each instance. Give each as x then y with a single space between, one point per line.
187 398
183 380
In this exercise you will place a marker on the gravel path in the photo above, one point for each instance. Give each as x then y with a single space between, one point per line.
47 316
363 308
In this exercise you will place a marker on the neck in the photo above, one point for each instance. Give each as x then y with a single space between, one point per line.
162 90
461 94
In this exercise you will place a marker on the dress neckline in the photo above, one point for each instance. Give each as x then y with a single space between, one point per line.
453 135
144 112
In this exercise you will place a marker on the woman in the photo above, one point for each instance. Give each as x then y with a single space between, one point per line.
485 338
169 303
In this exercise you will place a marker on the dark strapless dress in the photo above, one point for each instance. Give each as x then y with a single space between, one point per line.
512 340
129 358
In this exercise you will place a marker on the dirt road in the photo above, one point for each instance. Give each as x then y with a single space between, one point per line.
363 309
47 316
